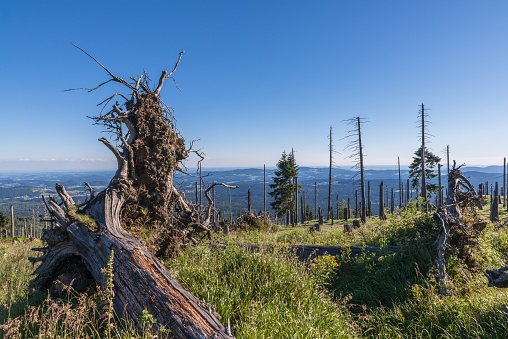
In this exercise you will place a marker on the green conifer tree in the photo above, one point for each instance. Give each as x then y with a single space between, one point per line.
415 170
284 186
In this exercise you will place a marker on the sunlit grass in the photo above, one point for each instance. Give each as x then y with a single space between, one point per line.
266 294
270 294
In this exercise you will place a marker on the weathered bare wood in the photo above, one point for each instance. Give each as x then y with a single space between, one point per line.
79 245
166 75
113 77
90 190
12 221
454 232
211 206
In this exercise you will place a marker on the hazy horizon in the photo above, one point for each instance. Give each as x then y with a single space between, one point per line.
35 166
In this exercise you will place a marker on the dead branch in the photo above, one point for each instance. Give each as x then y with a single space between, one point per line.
210 200
90 189
64 195
113 77
166 75
121 161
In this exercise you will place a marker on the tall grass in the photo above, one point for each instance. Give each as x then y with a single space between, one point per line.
476 313
266 294
15 272
30 314
269 294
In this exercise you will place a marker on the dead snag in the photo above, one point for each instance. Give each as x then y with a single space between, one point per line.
459 223
148 151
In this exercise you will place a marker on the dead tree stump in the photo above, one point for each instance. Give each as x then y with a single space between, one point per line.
79 244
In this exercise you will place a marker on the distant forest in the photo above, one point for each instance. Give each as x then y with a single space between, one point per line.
24 191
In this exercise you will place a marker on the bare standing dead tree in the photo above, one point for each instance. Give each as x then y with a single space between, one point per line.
494 204
400 184
355 145
504 182
382 214
331 149
423 138
148 151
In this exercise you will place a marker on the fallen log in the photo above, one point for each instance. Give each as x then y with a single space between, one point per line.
309 252
498 278
306 252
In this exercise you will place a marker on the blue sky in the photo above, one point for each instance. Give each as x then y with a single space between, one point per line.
260 77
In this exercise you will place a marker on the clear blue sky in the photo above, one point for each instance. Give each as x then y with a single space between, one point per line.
260 77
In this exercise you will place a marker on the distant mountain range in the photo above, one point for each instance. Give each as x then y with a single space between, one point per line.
24 190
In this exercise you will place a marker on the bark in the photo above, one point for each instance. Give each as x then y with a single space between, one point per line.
142 191
141 281
382 215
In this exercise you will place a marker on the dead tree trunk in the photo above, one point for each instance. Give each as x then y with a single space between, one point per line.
392 202
382 215
12 221
329 211
440 197
356 204
400 184
369 200
494 204
424 175
504 183
249 202
83 236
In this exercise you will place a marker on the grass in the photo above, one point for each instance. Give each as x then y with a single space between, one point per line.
31 315
269 294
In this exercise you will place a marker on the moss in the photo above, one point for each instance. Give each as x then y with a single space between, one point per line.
80 217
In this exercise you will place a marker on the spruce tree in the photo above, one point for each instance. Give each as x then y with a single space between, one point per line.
284 187
415 170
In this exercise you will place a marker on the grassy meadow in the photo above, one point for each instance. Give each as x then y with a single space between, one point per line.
270 294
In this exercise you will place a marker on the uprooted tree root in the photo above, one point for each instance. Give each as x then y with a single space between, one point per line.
142 193
459 222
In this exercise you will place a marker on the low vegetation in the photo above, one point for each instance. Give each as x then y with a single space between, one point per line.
270 294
